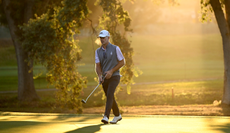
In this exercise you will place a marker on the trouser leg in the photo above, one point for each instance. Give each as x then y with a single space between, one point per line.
109 87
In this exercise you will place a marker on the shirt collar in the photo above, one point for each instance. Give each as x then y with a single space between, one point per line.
106 46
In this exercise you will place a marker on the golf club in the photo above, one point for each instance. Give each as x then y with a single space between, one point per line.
84 101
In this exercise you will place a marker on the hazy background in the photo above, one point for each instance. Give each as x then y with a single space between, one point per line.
167 19
175 51
170 43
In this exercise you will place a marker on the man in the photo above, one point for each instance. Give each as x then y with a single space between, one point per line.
109 60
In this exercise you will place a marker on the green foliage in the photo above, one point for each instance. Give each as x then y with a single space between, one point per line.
117 21
17 9
206 10
2 16
49 40
43 6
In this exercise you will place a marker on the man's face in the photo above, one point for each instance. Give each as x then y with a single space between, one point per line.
104 40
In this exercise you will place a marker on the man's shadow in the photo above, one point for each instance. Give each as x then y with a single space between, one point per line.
88 129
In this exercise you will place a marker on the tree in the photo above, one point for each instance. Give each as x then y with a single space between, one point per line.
221 8
117 21
49 40
42 32
26 89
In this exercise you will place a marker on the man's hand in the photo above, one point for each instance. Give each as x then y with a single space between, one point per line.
117 67
100 80
108 74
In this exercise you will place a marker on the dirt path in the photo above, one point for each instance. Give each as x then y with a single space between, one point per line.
192 110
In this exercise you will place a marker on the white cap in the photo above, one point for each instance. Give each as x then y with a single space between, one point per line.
104 33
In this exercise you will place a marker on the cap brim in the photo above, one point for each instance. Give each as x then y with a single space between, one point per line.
102 36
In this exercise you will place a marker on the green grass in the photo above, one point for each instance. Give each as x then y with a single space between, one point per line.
193 62
160 58
172 93
7 52
12 122
178 57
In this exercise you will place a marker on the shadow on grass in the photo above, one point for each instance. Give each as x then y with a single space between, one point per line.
79 118
87 129
224 128
14 125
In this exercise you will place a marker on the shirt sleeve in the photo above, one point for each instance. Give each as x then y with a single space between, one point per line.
119 54
96 57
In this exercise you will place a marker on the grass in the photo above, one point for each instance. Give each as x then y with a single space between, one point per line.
7 53
160 58
178 57
190 66
172 93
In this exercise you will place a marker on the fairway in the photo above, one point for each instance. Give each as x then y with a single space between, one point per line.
160 58
181 69
70 123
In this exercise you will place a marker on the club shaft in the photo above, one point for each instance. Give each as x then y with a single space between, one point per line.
91 92
94 89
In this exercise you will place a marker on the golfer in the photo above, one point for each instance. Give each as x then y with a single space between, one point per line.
109 60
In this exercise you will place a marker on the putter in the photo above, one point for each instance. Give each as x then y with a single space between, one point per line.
84 101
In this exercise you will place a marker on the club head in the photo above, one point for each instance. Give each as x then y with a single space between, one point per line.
83 101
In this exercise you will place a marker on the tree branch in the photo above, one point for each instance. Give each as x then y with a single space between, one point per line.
28 11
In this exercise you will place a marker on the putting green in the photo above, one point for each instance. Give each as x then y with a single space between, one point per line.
68 123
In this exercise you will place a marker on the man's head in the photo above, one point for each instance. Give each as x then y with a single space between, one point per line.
104 33
104 37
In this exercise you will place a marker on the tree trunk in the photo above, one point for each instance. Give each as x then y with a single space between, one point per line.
227 10
26 90
224 30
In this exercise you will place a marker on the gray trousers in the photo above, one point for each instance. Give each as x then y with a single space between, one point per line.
109 87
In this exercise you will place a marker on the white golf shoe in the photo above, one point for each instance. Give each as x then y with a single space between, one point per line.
105 120
116 119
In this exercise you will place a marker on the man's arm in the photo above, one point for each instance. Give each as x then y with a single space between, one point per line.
99 71
117 67
98 67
